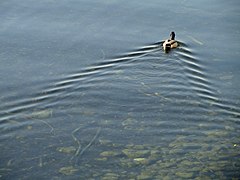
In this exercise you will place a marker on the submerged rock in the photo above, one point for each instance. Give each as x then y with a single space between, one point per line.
144 177
129 122
142 161
110 153
132 153
101 159
68 170
68 150
41 114
184 174
105 142
110 176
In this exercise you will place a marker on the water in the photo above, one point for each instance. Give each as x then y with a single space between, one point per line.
87 92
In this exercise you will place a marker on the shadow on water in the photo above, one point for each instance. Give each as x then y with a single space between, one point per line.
182 94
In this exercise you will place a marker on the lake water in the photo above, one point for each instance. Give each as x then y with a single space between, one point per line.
87 92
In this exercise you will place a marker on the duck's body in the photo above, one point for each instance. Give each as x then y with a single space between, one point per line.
170 43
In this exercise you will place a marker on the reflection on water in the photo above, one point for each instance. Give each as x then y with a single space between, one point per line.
139 115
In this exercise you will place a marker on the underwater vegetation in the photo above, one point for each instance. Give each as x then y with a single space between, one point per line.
213 155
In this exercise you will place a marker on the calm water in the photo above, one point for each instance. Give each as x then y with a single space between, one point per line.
87 92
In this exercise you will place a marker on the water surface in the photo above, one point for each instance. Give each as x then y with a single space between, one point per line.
87 92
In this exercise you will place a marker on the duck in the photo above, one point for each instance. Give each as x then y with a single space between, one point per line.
170 43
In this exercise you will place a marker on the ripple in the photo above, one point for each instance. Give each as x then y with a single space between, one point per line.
71 82
200 81
175 71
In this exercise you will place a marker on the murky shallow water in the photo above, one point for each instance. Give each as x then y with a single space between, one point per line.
87 92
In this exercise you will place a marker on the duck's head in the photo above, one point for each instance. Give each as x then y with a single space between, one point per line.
172 36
